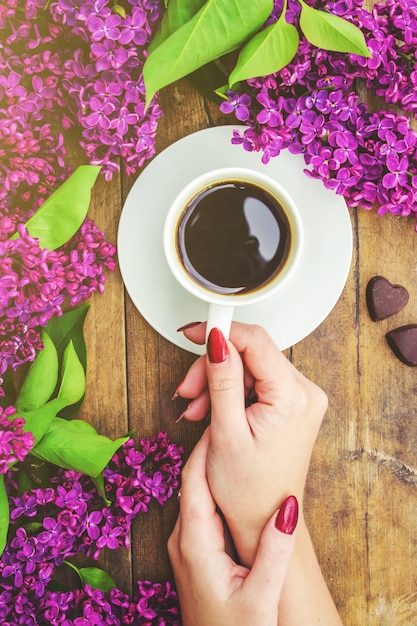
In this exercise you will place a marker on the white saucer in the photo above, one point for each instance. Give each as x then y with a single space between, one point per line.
298 308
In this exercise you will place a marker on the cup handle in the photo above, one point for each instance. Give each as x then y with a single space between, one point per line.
219 316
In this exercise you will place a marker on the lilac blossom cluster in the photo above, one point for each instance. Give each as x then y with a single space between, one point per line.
14 443
31 156
106 88
54 523
35 283
32 108
153 604
66 64
311 107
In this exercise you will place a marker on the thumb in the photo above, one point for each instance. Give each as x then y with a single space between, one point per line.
225 379
273 556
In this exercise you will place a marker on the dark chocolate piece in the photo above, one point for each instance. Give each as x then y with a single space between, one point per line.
403 342
384 299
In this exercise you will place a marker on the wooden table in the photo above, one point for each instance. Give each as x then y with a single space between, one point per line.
361 500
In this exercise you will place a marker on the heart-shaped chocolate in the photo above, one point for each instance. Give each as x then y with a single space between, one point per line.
403 342
384 299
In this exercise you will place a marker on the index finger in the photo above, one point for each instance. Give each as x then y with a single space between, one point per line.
196 499
201 528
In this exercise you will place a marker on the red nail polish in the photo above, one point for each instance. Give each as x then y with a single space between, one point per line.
182 415
287 517
217 346
187 326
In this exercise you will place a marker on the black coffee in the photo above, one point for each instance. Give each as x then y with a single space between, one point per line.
234 237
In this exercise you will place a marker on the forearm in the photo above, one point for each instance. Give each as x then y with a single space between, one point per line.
305 598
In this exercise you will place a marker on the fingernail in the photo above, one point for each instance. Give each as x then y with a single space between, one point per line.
217 346
287 517
187 326
182 415
176 392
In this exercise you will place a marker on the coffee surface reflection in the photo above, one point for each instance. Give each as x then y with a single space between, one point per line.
233 237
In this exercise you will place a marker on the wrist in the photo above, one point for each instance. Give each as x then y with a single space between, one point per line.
246 540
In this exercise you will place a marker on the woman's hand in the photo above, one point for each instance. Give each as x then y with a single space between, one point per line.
265 417
214 590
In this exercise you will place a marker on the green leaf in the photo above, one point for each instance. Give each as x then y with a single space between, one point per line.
32 403
39 420
94 576
222 92
178 13
216 29
70 327
4 515
76 445
73 377
62 330
41 379
331 32
62 214
267 52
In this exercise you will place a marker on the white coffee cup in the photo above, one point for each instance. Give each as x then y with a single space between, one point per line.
222 305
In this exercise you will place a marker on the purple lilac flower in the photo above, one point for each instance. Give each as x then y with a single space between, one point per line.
33 553
35 284
270 112
52 57
239 105
114 54
15 444
152 604
397 175
310 108
24 505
